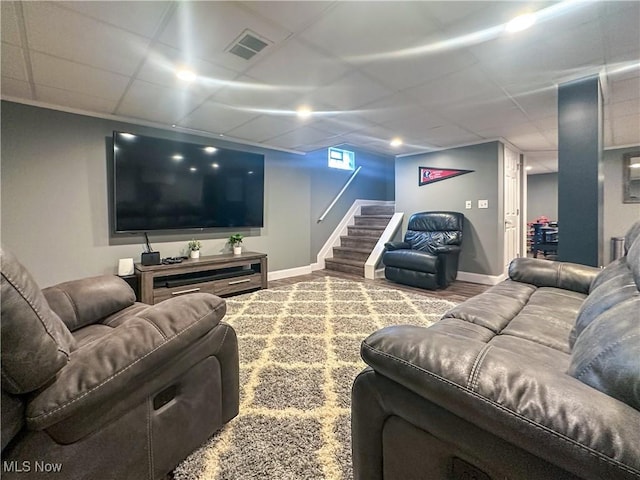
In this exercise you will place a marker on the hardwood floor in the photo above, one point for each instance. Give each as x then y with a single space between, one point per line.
456 292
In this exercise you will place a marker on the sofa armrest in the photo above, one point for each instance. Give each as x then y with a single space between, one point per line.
446 249
543 273
88 300
100 371
528 403
390 246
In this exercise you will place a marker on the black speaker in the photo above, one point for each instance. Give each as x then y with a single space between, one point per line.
150 258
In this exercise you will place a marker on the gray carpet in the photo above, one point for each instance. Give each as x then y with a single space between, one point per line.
299 354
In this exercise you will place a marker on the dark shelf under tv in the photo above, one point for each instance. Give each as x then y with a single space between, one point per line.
222 275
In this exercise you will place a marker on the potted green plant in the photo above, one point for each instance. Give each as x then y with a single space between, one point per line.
235 241
194 248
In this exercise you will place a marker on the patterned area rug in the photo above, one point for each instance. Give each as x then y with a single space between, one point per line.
299 354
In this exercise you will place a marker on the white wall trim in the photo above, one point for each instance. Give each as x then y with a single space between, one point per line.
480 278
395 223
289 272
342 229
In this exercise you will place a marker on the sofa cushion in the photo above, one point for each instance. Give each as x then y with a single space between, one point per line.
411 260
86 301
36 344
615 286
606 354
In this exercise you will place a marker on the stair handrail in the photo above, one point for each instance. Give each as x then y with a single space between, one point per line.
337 197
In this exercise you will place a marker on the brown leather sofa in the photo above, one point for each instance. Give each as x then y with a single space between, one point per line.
536 378
97 386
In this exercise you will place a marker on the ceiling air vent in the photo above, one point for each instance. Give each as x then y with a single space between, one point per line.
247 45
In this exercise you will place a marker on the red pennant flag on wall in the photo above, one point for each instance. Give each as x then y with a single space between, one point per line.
430 175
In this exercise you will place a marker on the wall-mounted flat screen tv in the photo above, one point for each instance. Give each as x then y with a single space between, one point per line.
160 184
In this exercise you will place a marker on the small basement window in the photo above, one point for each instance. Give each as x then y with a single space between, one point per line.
342 159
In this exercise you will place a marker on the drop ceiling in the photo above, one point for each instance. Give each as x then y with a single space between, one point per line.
437 74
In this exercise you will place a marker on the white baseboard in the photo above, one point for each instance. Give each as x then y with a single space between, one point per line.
480 278
289 272
379 273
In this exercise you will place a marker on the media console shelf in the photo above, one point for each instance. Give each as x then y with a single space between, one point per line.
218 274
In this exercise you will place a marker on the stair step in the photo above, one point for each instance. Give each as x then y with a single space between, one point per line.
377 210
352 253
343 265
365 231
359 242
372 220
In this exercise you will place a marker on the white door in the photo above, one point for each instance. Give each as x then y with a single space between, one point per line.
511 205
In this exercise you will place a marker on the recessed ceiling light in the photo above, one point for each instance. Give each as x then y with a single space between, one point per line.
210 149
193 169
128 136
528 167
178 157
304 111
395 142
521 22
186 74
214 165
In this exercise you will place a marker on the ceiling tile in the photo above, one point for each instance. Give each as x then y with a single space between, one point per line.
531 140
538 103
352 29
350 92
626 130
621 109
63 74
312 68
216 118
142 18
250 94
621 30
469 84
13 65
156 103
300 136
481 116
9 25
290 15
81 39
77 100
341 123
263 128
450 135
415 127
403 72
627 89
207 29
15 88
162 62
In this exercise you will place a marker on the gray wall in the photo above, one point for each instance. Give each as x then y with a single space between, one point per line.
618 216
55 199
373 182
542 196
483 240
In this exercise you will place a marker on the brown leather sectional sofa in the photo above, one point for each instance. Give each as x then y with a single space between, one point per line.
97 386
537 378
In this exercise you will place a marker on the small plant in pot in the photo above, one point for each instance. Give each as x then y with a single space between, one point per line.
236 242
194 248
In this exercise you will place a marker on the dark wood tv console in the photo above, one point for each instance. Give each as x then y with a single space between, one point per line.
221 275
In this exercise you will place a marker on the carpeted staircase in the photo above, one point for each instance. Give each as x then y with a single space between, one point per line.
356 247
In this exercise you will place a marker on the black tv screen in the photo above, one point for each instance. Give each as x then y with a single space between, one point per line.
161 184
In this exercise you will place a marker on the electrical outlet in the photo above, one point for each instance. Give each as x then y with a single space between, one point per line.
467 204
483 203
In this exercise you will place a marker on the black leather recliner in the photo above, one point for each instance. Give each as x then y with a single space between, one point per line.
428 257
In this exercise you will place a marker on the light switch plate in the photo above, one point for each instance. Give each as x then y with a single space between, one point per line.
483 203
467 204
